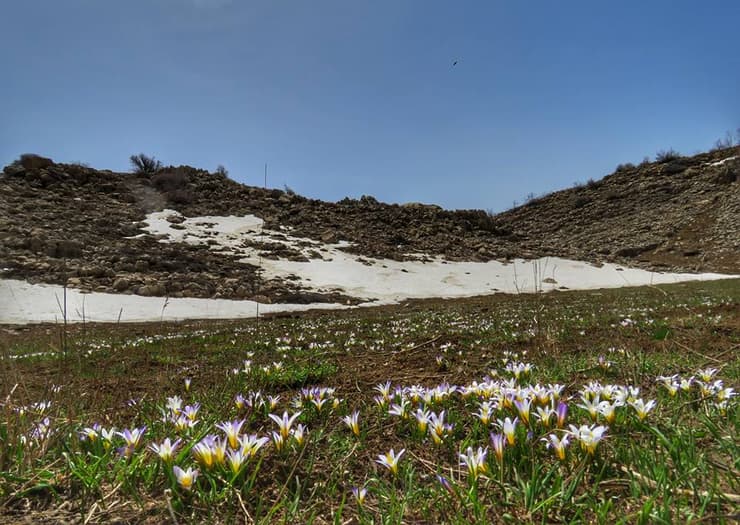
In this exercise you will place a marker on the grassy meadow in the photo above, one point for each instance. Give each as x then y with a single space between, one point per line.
605 406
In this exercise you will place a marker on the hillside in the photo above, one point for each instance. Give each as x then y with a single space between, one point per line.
71 223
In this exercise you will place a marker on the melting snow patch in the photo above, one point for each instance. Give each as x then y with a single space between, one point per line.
382 281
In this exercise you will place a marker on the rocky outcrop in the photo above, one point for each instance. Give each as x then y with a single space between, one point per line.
68 223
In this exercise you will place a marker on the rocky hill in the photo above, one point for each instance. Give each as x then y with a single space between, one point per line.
68 223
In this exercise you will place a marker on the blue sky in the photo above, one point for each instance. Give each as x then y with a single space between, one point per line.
345 98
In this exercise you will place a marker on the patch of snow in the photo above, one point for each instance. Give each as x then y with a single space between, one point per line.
720 162
23 302
382 281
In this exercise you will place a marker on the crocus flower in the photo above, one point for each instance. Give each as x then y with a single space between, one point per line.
438 428
498 442
390 460
352 422
588 436
191 411
522 407
562 413
188 381
185 478
446 484
107 434
360 493
284 423
608 411
278 440
508 427
232 430
484 413
422 419
299 434
475 461
591 405
385 390
235 460
174 404
166 451
251 444
203 452
642 408
400 409
557 444
132 439
90 433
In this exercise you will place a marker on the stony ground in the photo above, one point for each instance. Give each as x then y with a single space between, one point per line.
64 223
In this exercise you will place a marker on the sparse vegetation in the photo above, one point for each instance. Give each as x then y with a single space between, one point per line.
625 167
144 165
668 155
222 171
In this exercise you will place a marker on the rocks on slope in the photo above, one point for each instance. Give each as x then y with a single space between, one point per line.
70 223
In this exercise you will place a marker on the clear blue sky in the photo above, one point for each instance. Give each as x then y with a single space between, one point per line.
345 98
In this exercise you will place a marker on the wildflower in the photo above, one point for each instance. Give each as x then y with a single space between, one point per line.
588 436
232 430
319 403
562 413
557 444
90 433
174 404
438 427
219 450
240 402
203 452
284 423
707 374
390 460
278 440
360 493
446 484
484 413
107 434
166 451
182 423
509 429
132 439
251 444
607 410
422 419
187 384
235 460
591 405
522 407
185 478
273 401
400 409
642 408
475 461
191 411
299 434
352 422
385 390
604 364
498 442
725 394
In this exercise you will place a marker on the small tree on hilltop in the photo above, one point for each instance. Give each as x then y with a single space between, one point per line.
144 164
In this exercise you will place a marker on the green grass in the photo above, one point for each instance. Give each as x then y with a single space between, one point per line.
679 463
